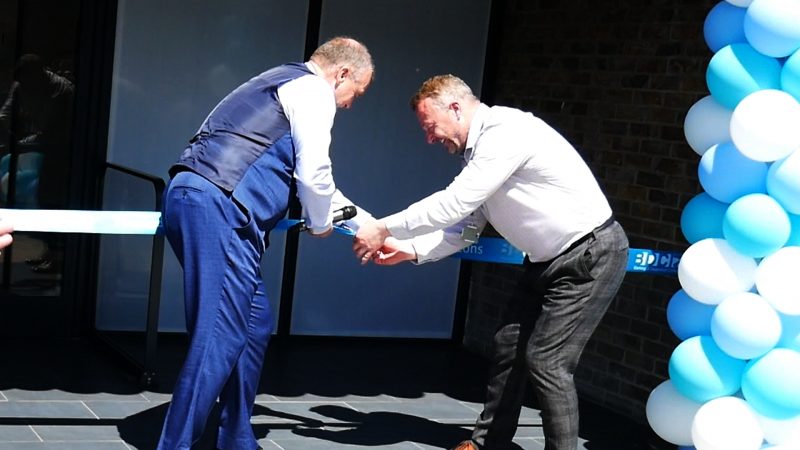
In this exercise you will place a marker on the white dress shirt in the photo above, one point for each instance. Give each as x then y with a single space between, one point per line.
520 175
310 105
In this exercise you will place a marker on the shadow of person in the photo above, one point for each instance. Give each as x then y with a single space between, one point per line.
261 410
141 431
382 428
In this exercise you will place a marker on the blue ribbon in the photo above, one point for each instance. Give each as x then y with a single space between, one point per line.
498 250
285 224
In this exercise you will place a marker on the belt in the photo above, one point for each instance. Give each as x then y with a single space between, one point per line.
586 236
580 240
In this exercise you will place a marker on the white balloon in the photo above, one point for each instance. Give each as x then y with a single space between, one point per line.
781 432
726 423
745 326
741 3
778 282
764 125
707 123
711 270
670 414
770 27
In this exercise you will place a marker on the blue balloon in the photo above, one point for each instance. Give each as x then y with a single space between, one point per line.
794 237
756 225
771 26
701 218
771 384
701 371
738 70
687 317
726 174
790 75
724 25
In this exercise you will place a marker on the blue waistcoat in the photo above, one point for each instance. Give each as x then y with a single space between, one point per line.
245 146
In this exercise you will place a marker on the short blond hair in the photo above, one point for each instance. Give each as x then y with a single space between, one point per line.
345 51
443 90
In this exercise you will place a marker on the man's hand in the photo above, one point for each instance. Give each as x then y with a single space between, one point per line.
369 239
394 252
5 234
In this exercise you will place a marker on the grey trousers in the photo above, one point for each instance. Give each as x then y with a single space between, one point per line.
553 313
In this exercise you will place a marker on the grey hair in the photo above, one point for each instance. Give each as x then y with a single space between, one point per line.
345 51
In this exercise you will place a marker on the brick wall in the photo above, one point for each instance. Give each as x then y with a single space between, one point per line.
616 78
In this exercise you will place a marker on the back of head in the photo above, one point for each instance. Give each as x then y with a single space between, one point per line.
344 51
443 90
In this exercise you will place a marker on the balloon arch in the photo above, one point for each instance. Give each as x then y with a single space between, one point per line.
734 380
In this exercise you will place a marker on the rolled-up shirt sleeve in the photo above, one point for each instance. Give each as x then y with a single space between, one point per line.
442 243
310 106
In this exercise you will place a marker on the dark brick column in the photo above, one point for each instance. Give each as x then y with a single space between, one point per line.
616 78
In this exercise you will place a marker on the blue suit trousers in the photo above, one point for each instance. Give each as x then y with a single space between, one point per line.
227 313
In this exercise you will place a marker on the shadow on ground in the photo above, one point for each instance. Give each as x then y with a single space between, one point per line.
297 369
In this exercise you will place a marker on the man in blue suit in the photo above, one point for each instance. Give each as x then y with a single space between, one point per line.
266 140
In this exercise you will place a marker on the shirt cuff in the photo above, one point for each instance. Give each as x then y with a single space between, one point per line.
319 230
396 224
424 245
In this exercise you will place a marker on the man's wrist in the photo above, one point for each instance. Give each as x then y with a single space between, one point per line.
384 230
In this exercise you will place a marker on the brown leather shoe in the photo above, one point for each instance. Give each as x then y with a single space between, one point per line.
465 445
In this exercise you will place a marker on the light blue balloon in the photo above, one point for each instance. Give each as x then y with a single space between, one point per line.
701 218
724 25
772 26
771 384
756 225
726 174
790 75
790 332
687 317
738 70
783 182
701 371
794 237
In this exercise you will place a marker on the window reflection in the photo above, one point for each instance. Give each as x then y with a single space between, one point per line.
37 49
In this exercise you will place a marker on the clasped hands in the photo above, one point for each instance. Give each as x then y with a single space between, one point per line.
373 242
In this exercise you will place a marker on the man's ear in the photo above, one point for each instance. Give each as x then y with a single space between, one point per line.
456 108
343 73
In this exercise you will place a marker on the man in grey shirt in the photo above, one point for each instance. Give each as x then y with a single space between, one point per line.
525 179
